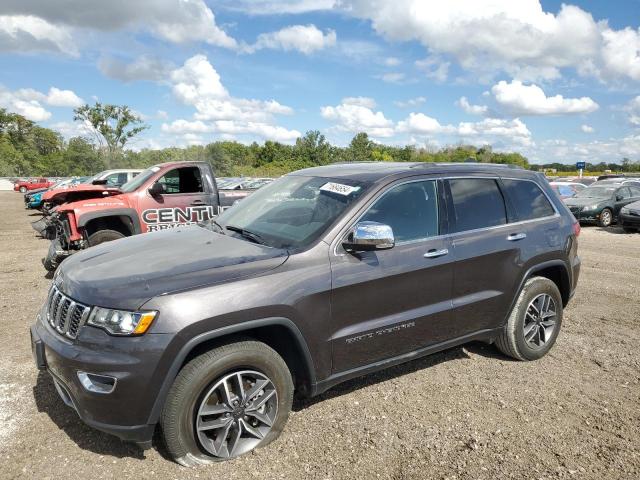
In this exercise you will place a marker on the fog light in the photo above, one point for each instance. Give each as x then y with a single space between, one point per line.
97 383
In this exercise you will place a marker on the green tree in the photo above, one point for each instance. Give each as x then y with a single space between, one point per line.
112 125
360 148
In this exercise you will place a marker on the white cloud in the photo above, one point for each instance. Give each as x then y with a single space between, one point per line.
29 102
516 37
472 109
42 25
412 102
421 124
490 128
63 98
28 33
633 109
434 68
366 102
303 38
520 99
391 61
587 128
278 7
392 77
162 115
142 68
610 150
198 84
354 118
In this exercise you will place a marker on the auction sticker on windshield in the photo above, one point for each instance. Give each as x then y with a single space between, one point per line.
338 188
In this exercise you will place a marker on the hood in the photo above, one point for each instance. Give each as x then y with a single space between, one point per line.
37 190
125 273
583 202
96 203
62 195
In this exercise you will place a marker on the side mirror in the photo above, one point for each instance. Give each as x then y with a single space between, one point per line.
368 236
619 198
156 189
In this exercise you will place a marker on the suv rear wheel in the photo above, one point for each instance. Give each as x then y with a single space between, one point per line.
534 322
226 402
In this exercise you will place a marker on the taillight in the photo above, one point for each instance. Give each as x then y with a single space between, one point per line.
576 229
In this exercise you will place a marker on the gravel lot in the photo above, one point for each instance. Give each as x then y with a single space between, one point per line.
467 413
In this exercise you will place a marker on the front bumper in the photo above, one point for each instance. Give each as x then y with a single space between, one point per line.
585 216
133 361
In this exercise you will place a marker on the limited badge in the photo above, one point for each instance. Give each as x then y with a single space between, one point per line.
338 188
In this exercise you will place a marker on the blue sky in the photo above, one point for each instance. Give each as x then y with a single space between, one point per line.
556 82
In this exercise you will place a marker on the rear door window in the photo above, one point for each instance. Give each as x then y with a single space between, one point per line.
477 203
635 191
528 199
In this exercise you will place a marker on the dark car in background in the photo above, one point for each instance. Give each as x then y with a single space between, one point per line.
324 275
629 217
600 203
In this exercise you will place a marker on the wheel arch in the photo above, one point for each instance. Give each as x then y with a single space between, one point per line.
279 333
124 220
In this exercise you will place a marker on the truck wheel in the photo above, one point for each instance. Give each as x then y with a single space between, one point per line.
606 218
534 323
102 236
23 189
225 403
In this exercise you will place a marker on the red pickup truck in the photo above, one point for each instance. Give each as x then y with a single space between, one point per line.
163 196
26 185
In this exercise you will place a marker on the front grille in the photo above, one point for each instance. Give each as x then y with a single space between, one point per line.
64 314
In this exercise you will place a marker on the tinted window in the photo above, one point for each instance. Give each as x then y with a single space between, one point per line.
116 179
635 191
528 199
477 203
182 180
411 210
624 193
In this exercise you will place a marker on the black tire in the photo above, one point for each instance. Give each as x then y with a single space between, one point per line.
512 341
23 189
196 378
102 236
606 218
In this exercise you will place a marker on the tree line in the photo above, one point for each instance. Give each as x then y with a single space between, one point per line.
27 149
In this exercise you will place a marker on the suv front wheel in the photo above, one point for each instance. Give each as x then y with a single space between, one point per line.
534 322
226 402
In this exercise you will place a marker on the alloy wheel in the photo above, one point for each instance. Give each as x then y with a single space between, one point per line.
540 320
605 218
236 413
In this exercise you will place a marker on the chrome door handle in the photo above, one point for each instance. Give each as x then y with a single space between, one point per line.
436 253
516 236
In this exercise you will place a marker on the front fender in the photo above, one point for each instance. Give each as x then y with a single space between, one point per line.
168 375
128 214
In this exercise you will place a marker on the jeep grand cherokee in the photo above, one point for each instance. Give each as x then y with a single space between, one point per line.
326 274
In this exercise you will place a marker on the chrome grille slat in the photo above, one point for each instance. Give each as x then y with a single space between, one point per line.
64 314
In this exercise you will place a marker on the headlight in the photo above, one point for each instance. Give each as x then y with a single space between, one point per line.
592 207
624 210
121 322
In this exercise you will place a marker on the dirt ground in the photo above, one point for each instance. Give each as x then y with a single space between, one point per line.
467 413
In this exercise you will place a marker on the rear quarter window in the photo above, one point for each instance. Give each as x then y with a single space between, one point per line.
528 199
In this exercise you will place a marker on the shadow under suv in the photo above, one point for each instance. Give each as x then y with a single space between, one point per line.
326 274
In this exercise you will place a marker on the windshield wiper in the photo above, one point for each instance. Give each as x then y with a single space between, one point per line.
249 235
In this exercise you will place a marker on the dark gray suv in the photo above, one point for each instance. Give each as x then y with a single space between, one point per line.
326 274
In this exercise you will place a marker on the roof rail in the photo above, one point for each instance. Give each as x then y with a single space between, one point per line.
466 164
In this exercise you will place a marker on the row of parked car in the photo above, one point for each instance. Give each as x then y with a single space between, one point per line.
603 201
131 201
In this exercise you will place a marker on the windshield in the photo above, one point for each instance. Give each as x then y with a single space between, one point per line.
596 192
138 180
292 212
